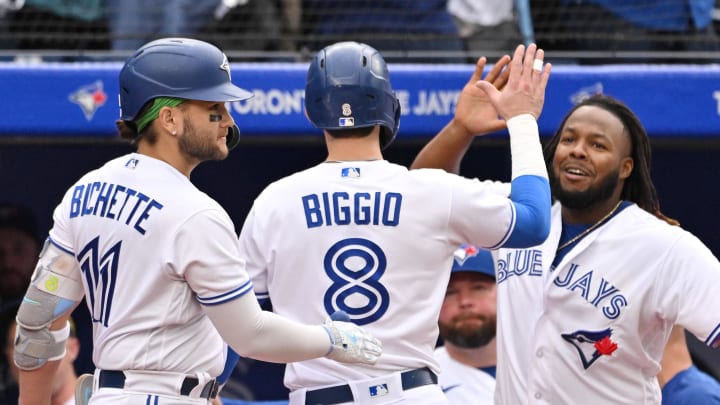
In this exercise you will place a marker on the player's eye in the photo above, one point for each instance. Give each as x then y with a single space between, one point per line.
216 117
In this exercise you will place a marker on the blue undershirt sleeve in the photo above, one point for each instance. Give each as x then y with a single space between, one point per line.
231 361
531 196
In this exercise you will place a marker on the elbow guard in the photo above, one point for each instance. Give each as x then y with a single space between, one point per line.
33 348
55 289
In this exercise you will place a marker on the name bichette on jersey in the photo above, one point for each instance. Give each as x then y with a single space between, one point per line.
342 208
598 292
113 201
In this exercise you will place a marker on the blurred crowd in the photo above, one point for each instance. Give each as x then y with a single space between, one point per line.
592 31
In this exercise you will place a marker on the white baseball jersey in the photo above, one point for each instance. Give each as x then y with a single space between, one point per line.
375 240
593 329
463 384
151 248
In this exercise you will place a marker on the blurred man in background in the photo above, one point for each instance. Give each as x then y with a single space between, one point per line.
467 327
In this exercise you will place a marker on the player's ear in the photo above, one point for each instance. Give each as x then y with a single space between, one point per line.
626 167
169 119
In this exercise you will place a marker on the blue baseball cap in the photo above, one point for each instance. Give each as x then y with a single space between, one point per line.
473 259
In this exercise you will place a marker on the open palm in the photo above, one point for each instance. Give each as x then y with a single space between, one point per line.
474 110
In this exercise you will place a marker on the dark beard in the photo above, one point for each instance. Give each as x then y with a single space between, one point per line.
587 198
467 338
200 149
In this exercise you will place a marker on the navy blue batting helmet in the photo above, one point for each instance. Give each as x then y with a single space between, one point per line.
348 86
177 67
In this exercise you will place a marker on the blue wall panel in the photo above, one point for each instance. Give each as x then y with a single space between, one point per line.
80 100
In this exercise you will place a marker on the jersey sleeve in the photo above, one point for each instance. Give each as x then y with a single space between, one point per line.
60 233
498 187
206 254
493 215
478 213
689 292
256 263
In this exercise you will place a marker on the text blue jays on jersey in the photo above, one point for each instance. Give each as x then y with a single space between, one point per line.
342 208
113 201
584 281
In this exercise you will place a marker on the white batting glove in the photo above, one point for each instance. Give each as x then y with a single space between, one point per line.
350 343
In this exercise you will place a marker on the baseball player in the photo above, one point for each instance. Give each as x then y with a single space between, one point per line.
467 357
157 260
360 234
584 317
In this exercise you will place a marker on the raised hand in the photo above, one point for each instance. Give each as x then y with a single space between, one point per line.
473 111
524 92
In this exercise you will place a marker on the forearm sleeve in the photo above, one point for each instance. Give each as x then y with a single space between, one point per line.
265 336
530 189
527 155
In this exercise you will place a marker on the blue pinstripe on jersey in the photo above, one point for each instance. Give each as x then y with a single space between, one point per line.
228 296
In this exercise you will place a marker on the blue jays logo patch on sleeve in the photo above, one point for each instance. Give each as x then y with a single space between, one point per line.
590 345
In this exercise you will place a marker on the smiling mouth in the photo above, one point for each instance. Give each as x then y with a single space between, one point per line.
575 172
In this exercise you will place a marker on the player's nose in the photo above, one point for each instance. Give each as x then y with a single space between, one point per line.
579 149
466 300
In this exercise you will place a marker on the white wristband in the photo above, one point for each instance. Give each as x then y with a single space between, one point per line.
527 155
60 336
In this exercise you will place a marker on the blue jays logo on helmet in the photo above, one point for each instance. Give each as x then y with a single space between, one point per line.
590 345
348 86
225 65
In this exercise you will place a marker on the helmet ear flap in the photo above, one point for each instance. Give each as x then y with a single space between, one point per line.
397 117
388 134
233 137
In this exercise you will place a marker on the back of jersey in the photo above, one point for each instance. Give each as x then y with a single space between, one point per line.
124 224
372 239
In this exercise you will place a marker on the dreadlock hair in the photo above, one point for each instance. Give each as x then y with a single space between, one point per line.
639 187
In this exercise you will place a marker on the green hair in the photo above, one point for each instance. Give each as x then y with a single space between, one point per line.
154 110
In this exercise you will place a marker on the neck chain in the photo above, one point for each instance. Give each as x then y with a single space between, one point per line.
591 228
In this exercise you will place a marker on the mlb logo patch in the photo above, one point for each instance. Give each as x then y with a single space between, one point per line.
378 390
346 122
350 172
